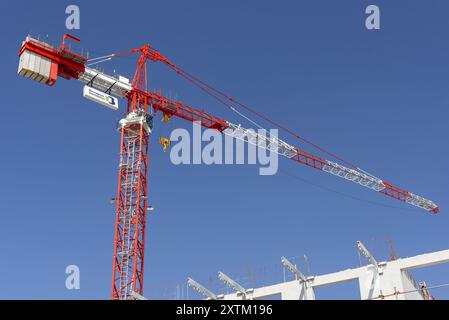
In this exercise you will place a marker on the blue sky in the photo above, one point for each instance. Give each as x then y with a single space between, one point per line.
377 98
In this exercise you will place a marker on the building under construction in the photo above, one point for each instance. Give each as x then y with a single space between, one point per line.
377 280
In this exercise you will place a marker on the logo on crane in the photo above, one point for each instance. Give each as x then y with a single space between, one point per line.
100 97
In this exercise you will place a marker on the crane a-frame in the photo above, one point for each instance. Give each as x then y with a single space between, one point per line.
44 63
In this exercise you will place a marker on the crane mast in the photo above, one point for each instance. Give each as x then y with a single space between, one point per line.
131 206
132 190
42 62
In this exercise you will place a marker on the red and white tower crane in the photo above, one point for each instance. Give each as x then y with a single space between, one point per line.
42 62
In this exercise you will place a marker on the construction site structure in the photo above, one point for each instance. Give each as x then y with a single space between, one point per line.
387 280
44 63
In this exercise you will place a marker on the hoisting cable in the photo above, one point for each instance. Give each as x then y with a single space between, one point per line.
220 100
215 93
102 57
208 88
97 62
198 81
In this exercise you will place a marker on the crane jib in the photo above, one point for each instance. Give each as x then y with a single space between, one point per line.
67 64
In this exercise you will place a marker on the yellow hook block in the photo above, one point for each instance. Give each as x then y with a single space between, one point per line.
165 142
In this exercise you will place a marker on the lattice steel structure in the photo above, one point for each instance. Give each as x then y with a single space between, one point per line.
129 238
131 201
